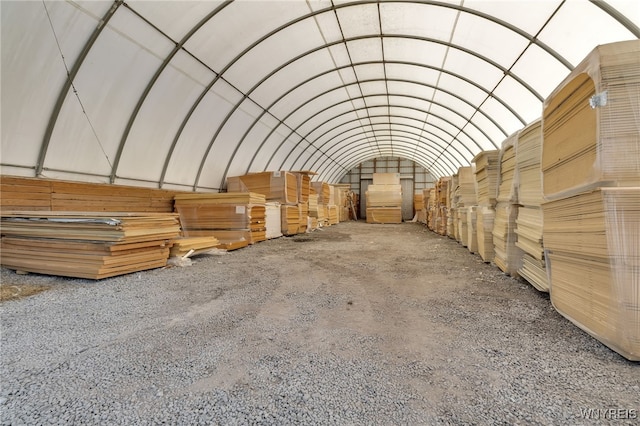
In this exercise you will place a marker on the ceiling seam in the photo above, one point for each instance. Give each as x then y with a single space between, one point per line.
384 68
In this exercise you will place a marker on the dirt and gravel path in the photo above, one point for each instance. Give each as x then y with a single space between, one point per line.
352 324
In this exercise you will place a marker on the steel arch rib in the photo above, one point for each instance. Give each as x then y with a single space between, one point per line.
388 62
354 145
418 138
73 72
394 105
311 143
421 129
151 83
247 95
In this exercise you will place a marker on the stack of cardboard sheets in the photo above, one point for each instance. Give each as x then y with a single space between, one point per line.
507 256
529 218
486 182
591 184
281 186
91 245
231 216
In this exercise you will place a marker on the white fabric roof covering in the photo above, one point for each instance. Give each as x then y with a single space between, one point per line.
182 94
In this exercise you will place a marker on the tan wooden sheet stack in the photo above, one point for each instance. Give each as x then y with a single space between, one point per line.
591 184
192 246
452 209
508 257
28 194
280 186
384 199
303 214
231 216
486 181
92 245
464 196
290 219
529 218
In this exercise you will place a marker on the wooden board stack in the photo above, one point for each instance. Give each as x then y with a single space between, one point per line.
591 241
590 133
464 196
591 184
192 246
472 228
529 218
486 182
452 209
92 245
508 257
280 186
231 216
384 199
303 214
290 219
334 215
29 194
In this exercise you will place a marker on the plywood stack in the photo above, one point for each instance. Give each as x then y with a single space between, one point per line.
529 218
273 220
92 245
290 219
472 228
418 207
231 216
591 181
508 257
452 220
280 186
442 213
384 199
323 190
431 206
464 196
341 200
22 193
486 183
303 178
303 214
334 215
192 246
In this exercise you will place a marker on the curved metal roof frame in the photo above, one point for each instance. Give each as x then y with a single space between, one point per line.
327 144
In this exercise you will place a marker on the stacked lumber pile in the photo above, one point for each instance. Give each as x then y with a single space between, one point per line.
303 179
273 220
340 199
231 216
192 246
303 214
290 219
464 196
486 182
333 214
280 186
529 218
323 191
419 208
384 199
508 257
29 194
92 245
591 181
472 229
431 207
452 218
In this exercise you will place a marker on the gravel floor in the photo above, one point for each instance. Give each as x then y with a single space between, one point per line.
352 324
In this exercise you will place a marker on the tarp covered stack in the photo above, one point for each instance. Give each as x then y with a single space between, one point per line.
529 219
591 184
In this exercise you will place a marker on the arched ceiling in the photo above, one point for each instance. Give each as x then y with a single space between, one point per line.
182 94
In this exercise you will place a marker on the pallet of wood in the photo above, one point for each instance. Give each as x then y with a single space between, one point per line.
484 230
529 219
591 250
290 217
192 246
226 216
304 184
386 178
590 123
303 214
281 186
323 190
472 228
334 217
92 245
384 215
